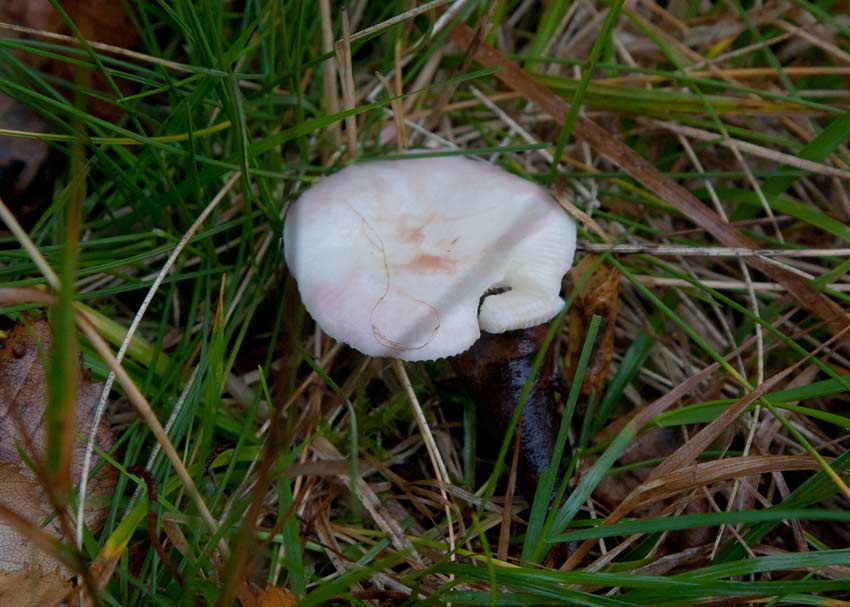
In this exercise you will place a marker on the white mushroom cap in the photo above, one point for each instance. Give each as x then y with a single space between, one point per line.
393 257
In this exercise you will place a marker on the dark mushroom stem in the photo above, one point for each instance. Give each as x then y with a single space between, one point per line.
495 370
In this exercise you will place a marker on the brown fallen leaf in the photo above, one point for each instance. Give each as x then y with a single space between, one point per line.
36 14
273 596
26 166
23 398
22 160
96 20
26 570
598 296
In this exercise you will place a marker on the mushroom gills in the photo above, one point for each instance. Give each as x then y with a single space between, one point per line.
517 308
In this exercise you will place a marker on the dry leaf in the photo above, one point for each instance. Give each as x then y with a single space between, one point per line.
23 397
35 14
598 296
97 21
26 570
273 596
26 168
21 160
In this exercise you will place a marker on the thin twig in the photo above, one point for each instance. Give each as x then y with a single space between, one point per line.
752 149
685 251
108 48
725 285
395 20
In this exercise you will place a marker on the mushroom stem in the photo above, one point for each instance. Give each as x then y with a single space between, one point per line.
495 370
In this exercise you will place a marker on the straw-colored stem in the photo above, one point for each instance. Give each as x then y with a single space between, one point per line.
430 445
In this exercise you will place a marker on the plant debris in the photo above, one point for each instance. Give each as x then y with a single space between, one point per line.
23 400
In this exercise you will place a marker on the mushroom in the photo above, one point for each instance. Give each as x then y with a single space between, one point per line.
413 258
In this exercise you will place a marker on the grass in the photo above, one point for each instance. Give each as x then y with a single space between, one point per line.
710 465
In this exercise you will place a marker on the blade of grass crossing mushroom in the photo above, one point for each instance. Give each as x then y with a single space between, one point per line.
538 521
486 490
505 527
